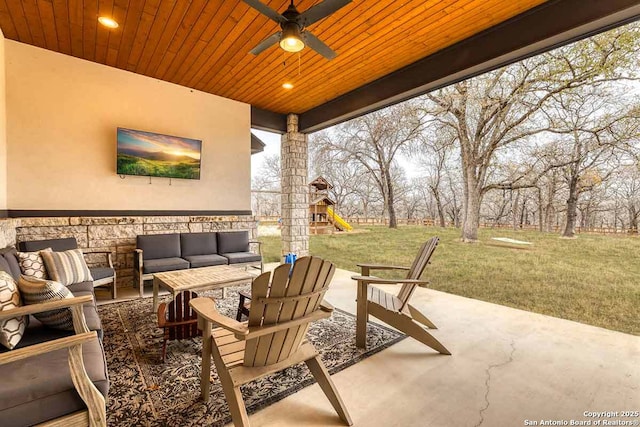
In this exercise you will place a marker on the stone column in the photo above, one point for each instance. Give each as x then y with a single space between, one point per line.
295 192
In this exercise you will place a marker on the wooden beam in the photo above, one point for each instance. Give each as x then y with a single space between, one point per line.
268 120
550 25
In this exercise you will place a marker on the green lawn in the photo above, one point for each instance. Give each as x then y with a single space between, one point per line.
593 279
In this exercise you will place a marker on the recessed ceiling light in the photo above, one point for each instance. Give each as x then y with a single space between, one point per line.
287 85
108 22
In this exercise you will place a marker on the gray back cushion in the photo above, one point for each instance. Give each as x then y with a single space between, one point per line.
198 244
233 241
4 266
9 256
57 245
159 246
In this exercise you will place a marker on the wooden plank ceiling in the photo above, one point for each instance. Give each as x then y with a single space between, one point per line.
204 44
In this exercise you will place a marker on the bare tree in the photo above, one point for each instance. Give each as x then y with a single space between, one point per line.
593 136
502 107
434 151
265 187
628 192
374 141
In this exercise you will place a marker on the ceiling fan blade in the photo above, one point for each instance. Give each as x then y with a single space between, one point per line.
320 11
267 43
318 45
266 10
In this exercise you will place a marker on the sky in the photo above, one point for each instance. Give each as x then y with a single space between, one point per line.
272 146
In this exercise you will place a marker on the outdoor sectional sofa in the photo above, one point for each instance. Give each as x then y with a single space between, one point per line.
179 251
102 275
39 388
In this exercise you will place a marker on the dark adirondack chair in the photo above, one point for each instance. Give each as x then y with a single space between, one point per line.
178 319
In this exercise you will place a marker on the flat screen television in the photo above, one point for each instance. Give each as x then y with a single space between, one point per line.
153 154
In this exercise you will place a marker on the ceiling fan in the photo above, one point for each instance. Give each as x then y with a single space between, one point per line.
294 37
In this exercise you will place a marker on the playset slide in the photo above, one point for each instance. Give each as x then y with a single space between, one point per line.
336 220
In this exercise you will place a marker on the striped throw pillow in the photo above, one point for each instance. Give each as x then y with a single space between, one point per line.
35 291
31 264
11 330
67 267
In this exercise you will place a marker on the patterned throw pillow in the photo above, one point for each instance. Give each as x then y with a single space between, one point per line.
11 330
31 264
36 291
67 267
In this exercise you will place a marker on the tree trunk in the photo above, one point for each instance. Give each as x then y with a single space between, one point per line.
393 223
633 220
471 209
572 209
540 211
514 210
523 213
436 196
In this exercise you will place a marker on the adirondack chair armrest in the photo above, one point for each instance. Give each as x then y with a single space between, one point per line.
380 281
382 267
162 315
325 306
258 331
245 294
206 308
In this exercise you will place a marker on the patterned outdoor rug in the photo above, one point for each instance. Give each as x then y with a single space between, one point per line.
146 392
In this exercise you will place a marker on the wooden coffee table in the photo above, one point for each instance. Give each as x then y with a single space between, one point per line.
204 278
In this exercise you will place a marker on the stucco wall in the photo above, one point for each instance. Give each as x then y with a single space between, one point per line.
62 115
3 129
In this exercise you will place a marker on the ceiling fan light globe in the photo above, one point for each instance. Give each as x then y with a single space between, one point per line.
292 44
291 40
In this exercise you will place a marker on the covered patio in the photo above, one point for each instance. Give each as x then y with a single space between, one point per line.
386 53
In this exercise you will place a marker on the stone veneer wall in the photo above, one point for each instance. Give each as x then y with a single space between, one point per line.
118 234
7 232
295 192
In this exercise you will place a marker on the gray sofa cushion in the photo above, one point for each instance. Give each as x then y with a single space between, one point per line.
90 313
9 255
206 260
239 257
4 266
58 245
39 388
233 241
158 246
101 272
198 244
164 264
80 287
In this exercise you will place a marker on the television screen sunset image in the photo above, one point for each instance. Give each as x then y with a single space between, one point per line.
152 154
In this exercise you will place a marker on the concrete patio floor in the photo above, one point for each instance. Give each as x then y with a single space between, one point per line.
508 366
